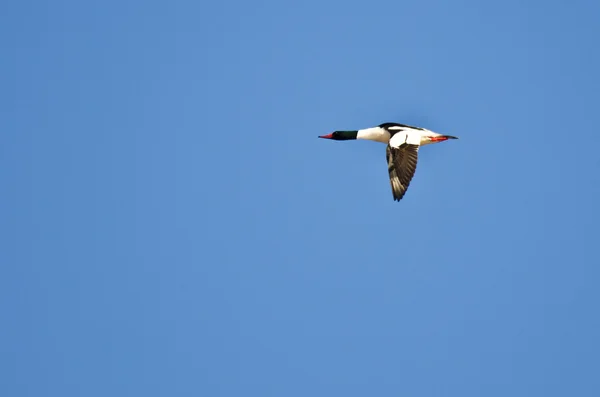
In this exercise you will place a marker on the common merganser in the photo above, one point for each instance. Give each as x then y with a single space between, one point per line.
403 142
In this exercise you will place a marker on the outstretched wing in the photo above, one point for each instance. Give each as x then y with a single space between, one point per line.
402 157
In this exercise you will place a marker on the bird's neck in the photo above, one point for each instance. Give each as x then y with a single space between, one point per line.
376 134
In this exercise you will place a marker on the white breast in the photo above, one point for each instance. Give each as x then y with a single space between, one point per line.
376 134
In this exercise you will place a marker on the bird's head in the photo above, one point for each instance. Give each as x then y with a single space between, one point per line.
340 135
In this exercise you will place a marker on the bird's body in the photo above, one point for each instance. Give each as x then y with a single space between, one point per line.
403 142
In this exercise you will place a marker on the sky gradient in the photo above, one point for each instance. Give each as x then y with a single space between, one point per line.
172 226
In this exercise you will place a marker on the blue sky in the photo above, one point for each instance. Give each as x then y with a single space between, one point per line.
172 226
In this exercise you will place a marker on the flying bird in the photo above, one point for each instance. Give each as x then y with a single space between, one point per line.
403 142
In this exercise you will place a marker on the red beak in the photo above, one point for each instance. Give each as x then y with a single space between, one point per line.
328 136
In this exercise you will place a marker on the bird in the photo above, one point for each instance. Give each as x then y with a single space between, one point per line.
403 143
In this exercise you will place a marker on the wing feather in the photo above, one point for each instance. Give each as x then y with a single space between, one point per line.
402 164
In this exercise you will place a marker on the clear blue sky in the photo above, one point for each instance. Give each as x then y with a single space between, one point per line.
172 226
